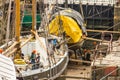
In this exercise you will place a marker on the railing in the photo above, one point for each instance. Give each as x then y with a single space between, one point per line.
50 73
99 1
83 1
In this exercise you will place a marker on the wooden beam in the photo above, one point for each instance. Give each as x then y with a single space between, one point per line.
74 77
8 49
103 31
8 22
26 41
33 15
93 39
37 36
15 49
80 61
17 19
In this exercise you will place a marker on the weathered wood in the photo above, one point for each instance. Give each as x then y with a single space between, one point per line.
33 15
8 22
15 49
17 19
93 39
76 60
37 36
26 41
74 77
103 31
14 44
116 20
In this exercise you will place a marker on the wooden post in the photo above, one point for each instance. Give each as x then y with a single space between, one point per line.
117 19
17 27
33 15
8 22
17 19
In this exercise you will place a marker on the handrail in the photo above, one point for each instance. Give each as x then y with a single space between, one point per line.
83 1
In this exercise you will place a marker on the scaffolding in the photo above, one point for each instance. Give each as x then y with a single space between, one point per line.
98 2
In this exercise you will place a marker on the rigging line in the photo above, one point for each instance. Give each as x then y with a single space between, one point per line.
107 29
105 23
48 14
98 13
46 23
105 48
87 38
90 30
60 22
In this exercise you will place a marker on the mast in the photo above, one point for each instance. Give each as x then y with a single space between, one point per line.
33 15
8 22
17 19
17 28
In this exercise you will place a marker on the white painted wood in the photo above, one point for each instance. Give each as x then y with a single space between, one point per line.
7 70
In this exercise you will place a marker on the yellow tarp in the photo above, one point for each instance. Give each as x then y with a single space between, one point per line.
69 25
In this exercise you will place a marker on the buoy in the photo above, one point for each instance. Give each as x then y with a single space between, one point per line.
19 61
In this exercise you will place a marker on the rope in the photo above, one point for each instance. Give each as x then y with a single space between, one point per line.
98 13
108 29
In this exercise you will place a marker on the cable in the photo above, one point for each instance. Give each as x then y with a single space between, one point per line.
108 29
99 13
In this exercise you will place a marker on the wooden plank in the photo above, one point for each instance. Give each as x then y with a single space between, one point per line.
93 39
15 49
8 49
74 77
76 60
103 31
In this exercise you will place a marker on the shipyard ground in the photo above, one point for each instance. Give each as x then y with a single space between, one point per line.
76 71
